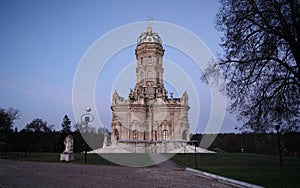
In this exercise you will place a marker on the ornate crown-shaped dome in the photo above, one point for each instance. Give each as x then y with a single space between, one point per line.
149 37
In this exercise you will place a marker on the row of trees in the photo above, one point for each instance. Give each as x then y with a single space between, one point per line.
47 141
38 136
247 142
38 125
263 143
8 117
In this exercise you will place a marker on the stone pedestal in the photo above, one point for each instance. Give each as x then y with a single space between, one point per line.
67 157
105 142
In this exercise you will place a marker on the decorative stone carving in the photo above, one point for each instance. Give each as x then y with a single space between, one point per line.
185 98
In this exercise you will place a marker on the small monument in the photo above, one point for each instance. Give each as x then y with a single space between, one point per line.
105 141
68 154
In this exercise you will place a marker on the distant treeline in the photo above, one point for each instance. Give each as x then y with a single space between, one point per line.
256 143
249 143
50 141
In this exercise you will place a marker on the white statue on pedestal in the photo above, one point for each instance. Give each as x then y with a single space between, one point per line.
68 155
104 141
68 144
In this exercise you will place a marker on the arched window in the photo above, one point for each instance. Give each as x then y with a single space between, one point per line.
142 76
141 61
135 135
149 60
116 134
157 77
157 60
149 76
165 135
184 135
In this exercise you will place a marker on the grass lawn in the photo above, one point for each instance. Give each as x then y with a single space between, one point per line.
257 169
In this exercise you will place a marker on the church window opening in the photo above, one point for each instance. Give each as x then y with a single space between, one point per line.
149 60
184 135
142 76
150 92
135 135
157 77
141 62
165 134
157 60
149 76
116 134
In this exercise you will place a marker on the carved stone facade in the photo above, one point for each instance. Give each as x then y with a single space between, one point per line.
149 114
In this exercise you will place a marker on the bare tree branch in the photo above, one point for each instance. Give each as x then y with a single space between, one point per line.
261 61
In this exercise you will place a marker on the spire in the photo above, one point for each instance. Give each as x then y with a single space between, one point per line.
149 29
149 36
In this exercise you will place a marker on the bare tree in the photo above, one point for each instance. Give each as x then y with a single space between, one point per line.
261 61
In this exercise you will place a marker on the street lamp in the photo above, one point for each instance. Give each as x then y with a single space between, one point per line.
195 142
279 147
86 118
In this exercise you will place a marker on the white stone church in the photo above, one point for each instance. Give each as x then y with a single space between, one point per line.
149 120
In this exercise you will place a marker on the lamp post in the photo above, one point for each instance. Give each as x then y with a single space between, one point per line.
279 147
195 142
86 118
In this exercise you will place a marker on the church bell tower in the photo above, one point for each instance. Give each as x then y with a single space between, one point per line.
149 72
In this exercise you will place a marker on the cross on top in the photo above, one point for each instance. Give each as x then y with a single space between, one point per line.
149 19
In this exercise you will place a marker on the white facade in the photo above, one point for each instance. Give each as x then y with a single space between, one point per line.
149 115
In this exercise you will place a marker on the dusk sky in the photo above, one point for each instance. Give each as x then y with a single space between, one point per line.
43 42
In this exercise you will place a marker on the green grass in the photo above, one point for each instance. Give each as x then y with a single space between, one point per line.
257 169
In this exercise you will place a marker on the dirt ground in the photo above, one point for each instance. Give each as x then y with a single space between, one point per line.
41 174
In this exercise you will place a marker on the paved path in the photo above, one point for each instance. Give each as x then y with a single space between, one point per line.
157 158
41 174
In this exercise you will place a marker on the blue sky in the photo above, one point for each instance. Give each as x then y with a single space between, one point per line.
42 43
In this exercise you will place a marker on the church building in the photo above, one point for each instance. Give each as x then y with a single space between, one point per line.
149 115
